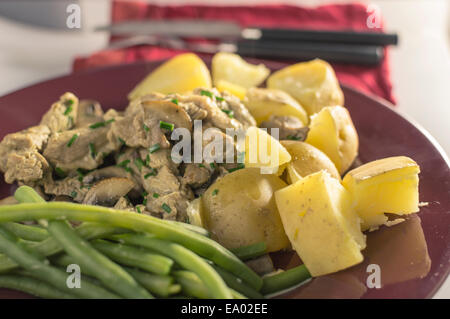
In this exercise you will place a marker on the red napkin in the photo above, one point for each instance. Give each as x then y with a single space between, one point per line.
371 79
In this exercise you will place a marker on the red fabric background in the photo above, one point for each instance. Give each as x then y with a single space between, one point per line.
372 79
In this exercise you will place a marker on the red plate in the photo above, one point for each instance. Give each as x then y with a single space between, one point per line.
400 250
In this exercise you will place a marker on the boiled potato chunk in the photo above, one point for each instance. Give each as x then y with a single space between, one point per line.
320 224
332 131
236 90
306 160
233 69
313 84
264 152
264 103
180 74
194 212
389 185
292 175
239 209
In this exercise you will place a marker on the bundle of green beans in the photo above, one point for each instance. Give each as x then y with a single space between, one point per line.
121 254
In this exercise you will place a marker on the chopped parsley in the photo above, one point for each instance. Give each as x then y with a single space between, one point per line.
72 140
124 165
147 160
167 126
201 165
293 138
174 101
166 208
152 173
138 208
154 148
60 173
121 141
80 174
73 194
146 128
215 192
92 150
220 99
155 195
144 196
68 109
101 124
68 103
139 163
212 165
230 113
206 93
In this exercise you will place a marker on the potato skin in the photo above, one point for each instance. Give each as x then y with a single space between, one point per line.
307 159
239 209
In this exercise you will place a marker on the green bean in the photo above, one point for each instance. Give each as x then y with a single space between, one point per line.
33 287
191 285
285 279
49 274
109 273
160 285
237 295
201 245
184 257
237 284
134 257
250 251
27 232
51 247
26 194
196 229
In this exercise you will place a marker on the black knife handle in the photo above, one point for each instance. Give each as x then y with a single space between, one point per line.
331 52
349 37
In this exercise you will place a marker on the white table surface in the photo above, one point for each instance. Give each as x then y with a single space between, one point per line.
420 64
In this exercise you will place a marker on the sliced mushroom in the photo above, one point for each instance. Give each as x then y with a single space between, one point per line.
106 172
89 112
261 265
114 171
108 191
289 127
166 111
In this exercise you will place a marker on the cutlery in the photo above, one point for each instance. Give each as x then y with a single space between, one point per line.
232 30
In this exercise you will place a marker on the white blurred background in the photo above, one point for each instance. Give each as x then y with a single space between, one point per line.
420 64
